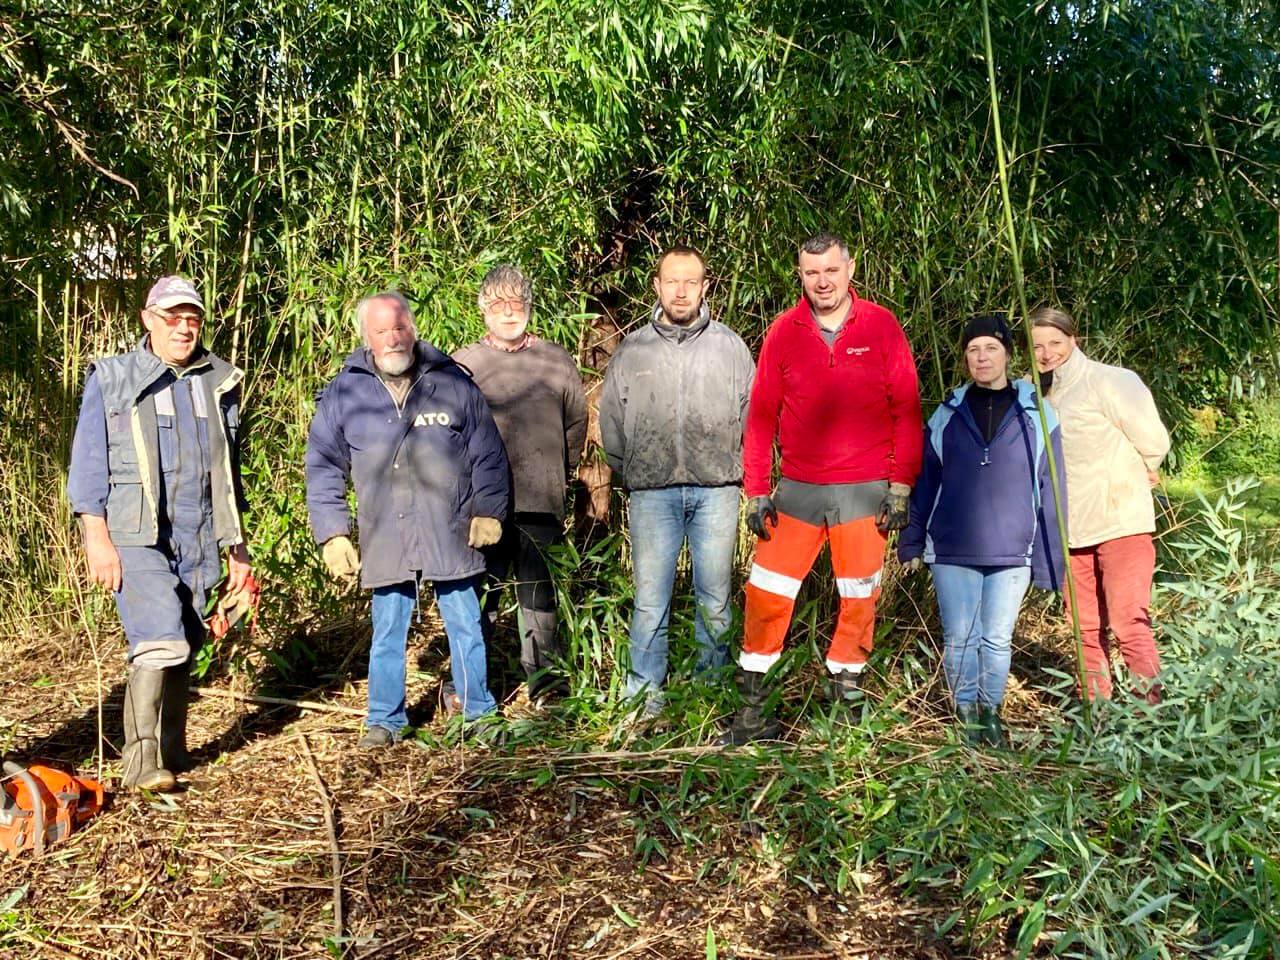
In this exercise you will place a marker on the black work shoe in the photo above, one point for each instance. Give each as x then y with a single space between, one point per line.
376 737
749 724
990 729
970 723
844 687
752 721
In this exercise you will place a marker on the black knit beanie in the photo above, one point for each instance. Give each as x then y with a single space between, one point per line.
987 325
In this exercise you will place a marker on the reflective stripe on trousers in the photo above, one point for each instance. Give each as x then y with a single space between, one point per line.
781 564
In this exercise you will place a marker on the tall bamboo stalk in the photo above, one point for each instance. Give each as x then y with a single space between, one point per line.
1015 252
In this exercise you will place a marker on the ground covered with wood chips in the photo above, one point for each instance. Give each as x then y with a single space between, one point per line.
454 850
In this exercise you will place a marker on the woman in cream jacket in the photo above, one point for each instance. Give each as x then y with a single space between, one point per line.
1114 442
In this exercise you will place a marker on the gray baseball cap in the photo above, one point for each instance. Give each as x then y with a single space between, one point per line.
171 291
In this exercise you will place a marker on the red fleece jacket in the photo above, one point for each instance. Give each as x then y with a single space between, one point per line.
848 413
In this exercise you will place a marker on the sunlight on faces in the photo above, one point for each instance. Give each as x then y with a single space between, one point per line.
681 284
506 314
826 278
389 335
1053 347
988 362
174 333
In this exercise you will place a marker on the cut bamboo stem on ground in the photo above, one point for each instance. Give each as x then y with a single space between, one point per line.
279 701
335 853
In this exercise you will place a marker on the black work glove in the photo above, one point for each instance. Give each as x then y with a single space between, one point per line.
758 509
894 511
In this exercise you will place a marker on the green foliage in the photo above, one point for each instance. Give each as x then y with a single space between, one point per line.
1152 835
295 156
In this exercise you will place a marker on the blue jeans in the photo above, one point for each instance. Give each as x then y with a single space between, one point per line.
660 522
979 607
460 609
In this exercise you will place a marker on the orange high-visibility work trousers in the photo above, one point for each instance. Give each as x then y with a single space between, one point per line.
781 564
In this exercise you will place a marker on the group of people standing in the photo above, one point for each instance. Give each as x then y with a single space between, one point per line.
460 466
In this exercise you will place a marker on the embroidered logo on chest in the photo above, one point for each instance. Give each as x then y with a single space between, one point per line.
856 351
437 419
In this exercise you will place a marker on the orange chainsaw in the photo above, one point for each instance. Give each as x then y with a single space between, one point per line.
40 805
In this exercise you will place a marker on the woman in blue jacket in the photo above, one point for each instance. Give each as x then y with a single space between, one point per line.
983 517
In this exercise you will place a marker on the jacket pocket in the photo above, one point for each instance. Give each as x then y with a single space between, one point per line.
168 445
124 507
120 446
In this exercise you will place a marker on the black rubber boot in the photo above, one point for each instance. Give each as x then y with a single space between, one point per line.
752 721
140 759
539 652
992 730
844 688
970 723
173 720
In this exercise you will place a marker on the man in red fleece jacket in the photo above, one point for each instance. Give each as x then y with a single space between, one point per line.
836 387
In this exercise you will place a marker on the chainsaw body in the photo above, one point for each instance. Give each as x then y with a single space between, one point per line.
41 805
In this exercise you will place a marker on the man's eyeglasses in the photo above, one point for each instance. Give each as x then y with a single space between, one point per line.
506 305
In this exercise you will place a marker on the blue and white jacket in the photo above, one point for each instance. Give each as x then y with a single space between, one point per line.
978 504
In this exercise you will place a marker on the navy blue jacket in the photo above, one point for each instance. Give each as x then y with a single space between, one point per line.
421 472
977 504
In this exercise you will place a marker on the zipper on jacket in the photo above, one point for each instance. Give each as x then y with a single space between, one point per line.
831 347
400 406
1016 409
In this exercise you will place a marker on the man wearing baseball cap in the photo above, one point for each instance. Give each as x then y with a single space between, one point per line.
155 481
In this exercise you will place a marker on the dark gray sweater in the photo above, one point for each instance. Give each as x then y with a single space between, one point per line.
537 401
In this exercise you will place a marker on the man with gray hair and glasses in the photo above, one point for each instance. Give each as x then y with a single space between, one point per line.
408 426
535 392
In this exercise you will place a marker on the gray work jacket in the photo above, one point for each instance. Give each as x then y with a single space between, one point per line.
674 405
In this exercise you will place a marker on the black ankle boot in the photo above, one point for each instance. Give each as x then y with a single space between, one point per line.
752 721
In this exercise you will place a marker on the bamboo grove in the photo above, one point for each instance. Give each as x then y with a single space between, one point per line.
296 156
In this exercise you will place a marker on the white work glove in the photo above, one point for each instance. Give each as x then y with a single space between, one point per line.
341 558
485 532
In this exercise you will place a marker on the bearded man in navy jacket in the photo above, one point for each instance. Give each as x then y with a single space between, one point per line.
406 424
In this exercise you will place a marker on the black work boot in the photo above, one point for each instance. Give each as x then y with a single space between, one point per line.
140 758
539 651
991 729
844 688
970 723
752 721
173 720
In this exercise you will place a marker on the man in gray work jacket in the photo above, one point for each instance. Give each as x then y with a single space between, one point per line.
155 481
671 417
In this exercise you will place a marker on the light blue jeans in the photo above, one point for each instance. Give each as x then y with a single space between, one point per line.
979 607
660 522
393 606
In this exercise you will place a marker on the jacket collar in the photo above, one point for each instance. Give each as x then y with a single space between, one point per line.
1025 391
1071 369
425 358
802 312
154 368
678 334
